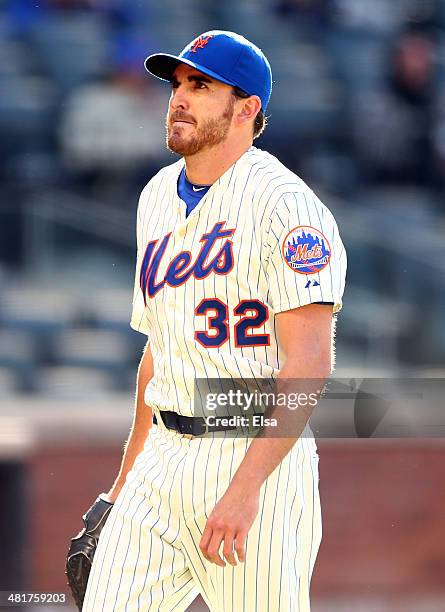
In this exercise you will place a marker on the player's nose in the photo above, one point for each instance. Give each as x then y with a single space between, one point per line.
179 99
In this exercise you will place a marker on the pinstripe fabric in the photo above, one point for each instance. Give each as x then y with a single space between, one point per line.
148 558
139 563
261 200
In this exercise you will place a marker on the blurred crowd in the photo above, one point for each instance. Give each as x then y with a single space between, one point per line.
77 106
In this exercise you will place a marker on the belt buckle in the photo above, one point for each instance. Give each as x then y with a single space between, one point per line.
204 433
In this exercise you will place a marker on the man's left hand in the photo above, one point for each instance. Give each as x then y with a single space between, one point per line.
229 523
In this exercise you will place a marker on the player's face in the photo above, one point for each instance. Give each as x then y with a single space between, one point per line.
200 112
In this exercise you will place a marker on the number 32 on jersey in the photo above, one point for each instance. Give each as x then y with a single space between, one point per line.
218 331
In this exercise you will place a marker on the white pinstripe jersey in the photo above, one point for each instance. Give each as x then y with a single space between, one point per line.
207 286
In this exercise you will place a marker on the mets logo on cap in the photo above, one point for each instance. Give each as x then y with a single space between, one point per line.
306 250
200 43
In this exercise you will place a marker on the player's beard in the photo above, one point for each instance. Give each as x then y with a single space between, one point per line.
211 133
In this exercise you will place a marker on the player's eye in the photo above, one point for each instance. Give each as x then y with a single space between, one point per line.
200 85
174 84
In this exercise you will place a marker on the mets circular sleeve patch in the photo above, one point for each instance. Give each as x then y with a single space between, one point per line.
306 250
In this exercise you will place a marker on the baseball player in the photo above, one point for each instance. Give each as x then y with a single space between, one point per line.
240 271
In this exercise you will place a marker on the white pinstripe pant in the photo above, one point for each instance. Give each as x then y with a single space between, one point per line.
148 558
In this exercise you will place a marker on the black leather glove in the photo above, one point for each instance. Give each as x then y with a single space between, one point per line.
82 549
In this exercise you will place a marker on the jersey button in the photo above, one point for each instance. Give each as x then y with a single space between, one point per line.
181 232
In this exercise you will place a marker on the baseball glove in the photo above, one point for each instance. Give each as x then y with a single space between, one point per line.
82 549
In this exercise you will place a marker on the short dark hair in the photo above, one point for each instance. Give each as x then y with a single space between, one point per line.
260 122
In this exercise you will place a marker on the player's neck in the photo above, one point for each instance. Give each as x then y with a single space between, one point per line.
205 167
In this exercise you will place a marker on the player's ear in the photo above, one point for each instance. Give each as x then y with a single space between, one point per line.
248 109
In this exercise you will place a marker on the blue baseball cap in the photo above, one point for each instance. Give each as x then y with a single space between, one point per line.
225 56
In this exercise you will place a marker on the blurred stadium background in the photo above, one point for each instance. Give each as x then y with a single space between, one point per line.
358 110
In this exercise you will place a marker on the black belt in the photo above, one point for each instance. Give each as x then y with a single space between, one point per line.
188 426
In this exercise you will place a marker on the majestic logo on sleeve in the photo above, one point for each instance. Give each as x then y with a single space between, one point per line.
210 259
306 250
